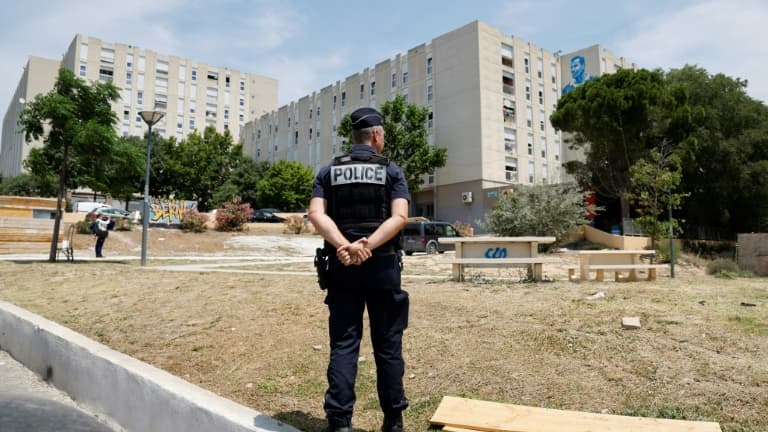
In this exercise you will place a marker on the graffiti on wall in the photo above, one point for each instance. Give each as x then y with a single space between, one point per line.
166 211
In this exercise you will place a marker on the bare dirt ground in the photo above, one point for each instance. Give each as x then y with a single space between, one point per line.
259 336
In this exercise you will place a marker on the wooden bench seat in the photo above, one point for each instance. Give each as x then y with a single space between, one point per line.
534 264
618 268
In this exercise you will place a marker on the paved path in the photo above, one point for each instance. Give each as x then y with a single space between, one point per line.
28 404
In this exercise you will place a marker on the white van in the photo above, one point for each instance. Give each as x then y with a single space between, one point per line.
88 206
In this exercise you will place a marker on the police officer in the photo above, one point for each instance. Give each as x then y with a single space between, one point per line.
359 205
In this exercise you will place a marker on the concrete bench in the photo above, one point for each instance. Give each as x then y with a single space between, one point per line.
617 269
536 263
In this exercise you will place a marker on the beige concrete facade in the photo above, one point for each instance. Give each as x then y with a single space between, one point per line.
38 77
490 96
192 94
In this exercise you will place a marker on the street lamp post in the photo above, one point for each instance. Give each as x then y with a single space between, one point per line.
150 118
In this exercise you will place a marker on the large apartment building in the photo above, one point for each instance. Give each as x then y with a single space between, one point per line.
192 94
489 95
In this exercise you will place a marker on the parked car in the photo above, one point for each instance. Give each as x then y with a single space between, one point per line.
422 236
263 215
109 211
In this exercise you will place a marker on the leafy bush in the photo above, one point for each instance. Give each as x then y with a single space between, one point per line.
296 224
722 267
123 224
193 221
662 252
464 228
233 216
710 249
538 211
83 227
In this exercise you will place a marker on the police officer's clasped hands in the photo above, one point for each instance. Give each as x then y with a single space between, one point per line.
354 253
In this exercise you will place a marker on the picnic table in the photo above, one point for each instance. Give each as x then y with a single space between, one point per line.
498 252
618 261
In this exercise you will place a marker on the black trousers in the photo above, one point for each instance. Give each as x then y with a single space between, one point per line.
99 244
375 285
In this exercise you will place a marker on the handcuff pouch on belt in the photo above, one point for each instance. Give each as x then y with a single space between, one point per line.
321 266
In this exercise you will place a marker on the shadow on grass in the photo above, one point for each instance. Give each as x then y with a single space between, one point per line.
301 420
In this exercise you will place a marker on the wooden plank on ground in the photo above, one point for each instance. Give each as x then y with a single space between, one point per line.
497 417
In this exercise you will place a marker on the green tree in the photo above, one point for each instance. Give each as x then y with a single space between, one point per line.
124 172
654 181
405 140
77 126
617 119
286 185
725 163
26 184
542 210
196 167
243 183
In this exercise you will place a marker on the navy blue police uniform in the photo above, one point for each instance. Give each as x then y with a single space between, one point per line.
359 188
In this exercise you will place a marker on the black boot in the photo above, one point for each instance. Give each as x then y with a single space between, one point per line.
392 423
331 428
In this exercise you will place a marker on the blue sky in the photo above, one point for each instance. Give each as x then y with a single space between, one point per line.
307 45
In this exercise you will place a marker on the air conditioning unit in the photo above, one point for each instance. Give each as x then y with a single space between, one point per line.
466 197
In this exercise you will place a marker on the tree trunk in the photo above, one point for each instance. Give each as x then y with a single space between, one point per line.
624 208
59 199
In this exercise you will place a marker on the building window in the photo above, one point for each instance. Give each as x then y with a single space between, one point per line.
373 88
139 97
541 97
542 120
180 105
510 169
140 81
226 81
429 66
530 145
129 61
394 80
529 119
510 141
211 93
191 124
507 56
193 91
527 92
105 73
540 68
179 122
125 95
531 171
296 138
192 107
161 101
161 67
182 72
127 114
318 112
508 82
194 74
429 93
107 55
343 99
142 63
242 101
527 63
242 85
405 78
226 117
431 120
83 51
83 69
161 85
509 110
362 91
543 147
128 78
553 71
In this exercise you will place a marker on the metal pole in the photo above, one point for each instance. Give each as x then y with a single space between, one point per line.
671 241
145 215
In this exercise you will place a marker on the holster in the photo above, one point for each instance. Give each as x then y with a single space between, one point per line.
321 266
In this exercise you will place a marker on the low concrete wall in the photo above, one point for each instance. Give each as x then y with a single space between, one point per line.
615 241
753 253
132 394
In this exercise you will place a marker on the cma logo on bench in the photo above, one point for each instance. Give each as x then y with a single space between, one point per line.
497 252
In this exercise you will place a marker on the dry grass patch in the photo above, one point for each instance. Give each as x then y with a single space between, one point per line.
253 338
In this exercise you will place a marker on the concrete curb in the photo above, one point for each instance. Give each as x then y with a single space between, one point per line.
129 393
